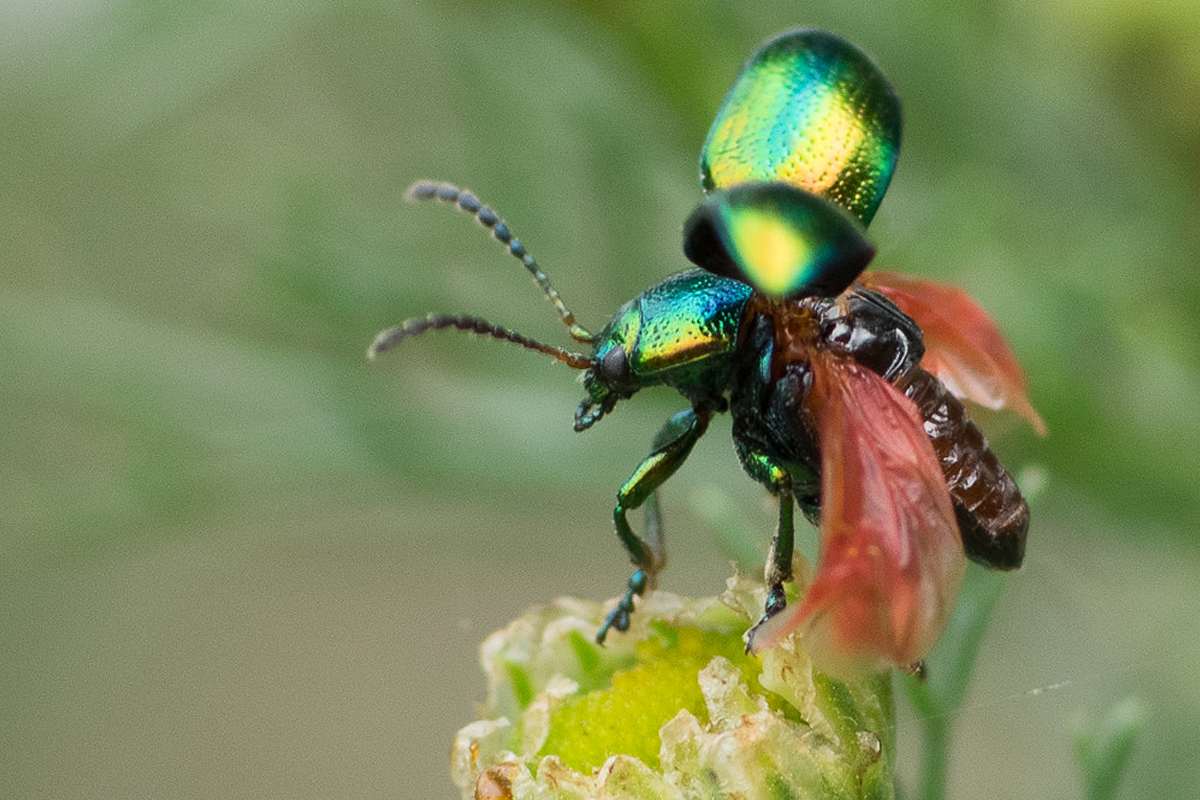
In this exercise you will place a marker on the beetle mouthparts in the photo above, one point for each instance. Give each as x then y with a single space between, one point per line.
590 412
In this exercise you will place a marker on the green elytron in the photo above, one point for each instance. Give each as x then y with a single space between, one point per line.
812 111
822 374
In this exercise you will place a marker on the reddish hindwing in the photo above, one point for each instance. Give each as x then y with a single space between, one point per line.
963 346
891 557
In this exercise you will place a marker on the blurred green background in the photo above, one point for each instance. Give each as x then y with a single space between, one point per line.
236 561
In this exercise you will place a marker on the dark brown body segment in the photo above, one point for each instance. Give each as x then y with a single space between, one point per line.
992 515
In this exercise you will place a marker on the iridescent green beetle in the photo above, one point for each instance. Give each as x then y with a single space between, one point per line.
843 385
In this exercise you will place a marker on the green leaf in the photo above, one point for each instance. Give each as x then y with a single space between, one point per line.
1103 749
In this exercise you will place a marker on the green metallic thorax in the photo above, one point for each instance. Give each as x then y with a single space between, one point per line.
681 332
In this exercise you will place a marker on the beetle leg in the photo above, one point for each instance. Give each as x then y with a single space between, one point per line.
779 561
669 432
671 447
652 515
779 564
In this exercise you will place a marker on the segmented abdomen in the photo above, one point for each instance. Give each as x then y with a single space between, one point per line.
992 515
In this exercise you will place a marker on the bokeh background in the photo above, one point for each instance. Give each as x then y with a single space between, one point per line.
237 561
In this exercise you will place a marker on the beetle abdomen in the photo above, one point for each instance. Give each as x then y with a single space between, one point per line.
992 515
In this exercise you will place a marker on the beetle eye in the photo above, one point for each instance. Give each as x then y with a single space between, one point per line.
614 367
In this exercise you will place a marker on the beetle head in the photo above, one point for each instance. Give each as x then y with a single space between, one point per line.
611 376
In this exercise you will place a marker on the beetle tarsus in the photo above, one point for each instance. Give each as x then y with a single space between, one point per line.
618 618
776 602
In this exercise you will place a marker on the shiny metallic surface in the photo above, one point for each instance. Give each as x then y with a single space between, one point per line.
782 240
688 317
812 110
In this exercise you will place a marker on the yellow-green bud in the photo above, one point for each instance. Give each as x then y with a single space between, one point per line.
672 709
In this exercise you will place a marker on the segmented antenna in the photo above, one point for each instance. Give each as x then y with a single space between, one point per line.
466 201
391 337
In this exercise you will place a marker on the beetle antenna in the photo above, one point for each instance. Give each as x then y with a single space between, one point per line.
464 200
391 337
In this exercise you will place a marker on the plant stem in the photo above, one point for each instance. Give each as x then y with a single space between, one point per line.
935 734
937 699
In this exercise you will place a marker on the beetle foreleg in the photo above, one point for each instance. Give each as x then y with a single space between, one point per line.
674 427
671 447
